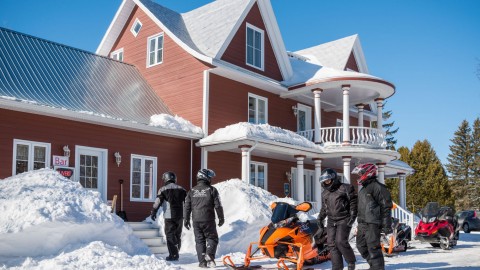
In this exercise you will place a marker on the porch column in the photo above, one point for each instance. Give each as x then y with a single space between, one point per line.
379 113
318 115
360 114
245 162
346 114
402 190
204 158
300 184
381 173
346 169
317 185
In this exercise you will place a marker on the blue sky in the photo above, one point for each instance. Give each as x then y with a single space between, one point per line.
429 49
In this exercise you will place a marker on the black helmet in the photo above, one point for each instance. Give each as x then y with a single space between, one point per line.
328 174
205 175
169 177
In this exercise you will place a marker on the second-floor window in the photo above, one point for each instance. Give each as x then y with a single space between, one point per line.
155 50
254 47
257 109
143 178
28 155
258 174
117 55
137 25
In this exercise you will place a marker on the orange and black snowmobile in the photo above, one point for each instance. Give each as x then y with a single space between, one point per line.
287 239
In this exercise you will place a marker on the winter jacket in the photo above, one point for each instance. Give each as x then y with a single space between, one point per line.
173 195
375 204
201 201
339 202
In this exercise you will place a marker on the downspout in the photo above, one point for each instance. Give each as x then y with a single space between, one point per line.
206 98
191 163
250 160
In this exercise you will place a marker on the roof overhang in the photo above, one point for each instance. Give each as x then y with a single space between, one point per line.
26 107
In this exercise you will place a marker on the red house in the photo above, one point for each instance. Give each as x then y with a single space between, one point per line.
269 116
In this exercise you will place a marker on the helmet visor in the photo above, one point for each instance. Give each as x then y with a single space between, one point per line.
325 177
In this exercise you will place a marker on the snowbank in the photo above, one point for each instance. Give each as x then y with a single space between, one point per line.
174 123
43 212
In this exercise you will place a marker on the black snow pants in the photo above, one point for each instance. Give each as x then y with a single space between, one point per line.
206 239
368 244
173 232
337 240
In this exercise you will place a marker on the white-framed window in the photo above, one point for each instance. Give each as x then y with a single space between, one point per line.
258 174
257 109
155 50
255 47
137 25
30 155
117 55
143 178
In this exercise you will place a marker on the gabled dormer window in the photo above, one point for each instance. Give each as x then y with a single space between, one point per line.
137 25
254 47
117 55
155 50
257 109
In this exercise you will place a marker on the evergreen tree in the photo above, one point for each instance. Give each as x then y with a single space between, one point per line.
460 157
475 198
390 131
430 181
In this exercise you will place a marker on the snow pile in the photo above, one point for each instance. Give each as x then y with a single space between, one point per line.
257 132
174 123
43 212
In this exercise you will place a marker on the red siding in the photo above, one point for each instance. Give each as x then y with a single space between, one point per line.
178 80
227 165
236 50
172 154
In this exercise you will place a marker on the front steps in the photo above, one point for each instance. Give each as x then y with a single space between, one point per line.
151 237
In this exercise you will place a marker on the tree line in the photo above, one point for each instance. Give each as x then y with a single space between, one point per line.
460 188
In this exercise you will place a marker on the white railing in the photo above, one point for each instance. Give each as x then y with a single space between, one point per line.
404 216
363 136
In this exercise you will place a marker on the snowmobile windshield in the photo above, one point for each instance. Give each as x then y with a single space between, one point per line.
431 210
283 211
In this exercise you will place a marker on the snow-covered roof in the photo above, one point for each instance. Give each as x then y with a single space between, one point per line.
333 54
262 132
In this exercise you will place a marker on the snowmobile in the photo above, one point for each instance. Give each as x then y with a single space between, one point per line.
438 226
398 240
287 239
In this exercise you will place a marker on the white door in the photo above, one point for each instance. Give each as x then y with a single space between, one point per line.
91 169
308 185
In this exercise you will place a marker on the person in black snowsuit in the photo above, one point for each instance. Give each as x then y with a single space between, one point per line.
374 215
339 204
171 197
201 203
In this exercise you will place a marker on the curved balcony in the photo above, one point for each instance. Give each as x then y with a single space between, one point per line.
359 136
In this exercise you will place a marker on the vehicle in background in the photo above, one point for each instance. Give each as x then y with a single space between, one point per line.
469 220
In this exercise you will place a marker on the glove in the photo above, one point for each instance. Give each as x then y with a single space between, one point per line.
186 223
153 215
320 224
220 222
350 223
387 230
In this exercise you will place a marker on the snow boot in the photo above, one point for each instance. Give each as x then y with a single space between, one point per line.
210 261
351 266
202 264
172 258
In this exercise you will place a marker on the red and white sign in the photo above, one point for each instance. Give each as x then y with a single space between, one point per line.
60 161
67 172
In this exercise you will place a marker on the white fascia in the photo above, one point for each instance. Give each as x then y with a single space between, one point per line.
359 56
15 105
115 27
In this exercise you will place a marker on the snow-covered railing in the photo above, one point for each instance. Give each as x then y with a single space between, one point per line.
362 136
404 216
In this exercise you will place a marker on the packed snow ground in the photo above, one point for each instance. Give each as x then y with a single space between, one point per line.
49 222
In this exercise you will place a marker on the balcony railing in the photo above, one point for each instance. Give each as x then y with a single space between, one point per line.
361 136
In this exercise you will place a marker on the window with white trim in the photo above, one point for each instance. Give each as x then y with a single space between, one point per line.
117 55
155 50
254 47
137 25
29 155
257 109
143 178
258 174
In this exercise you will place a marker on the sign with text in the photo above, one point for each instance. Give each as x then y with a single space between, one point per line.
67 172
60 161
